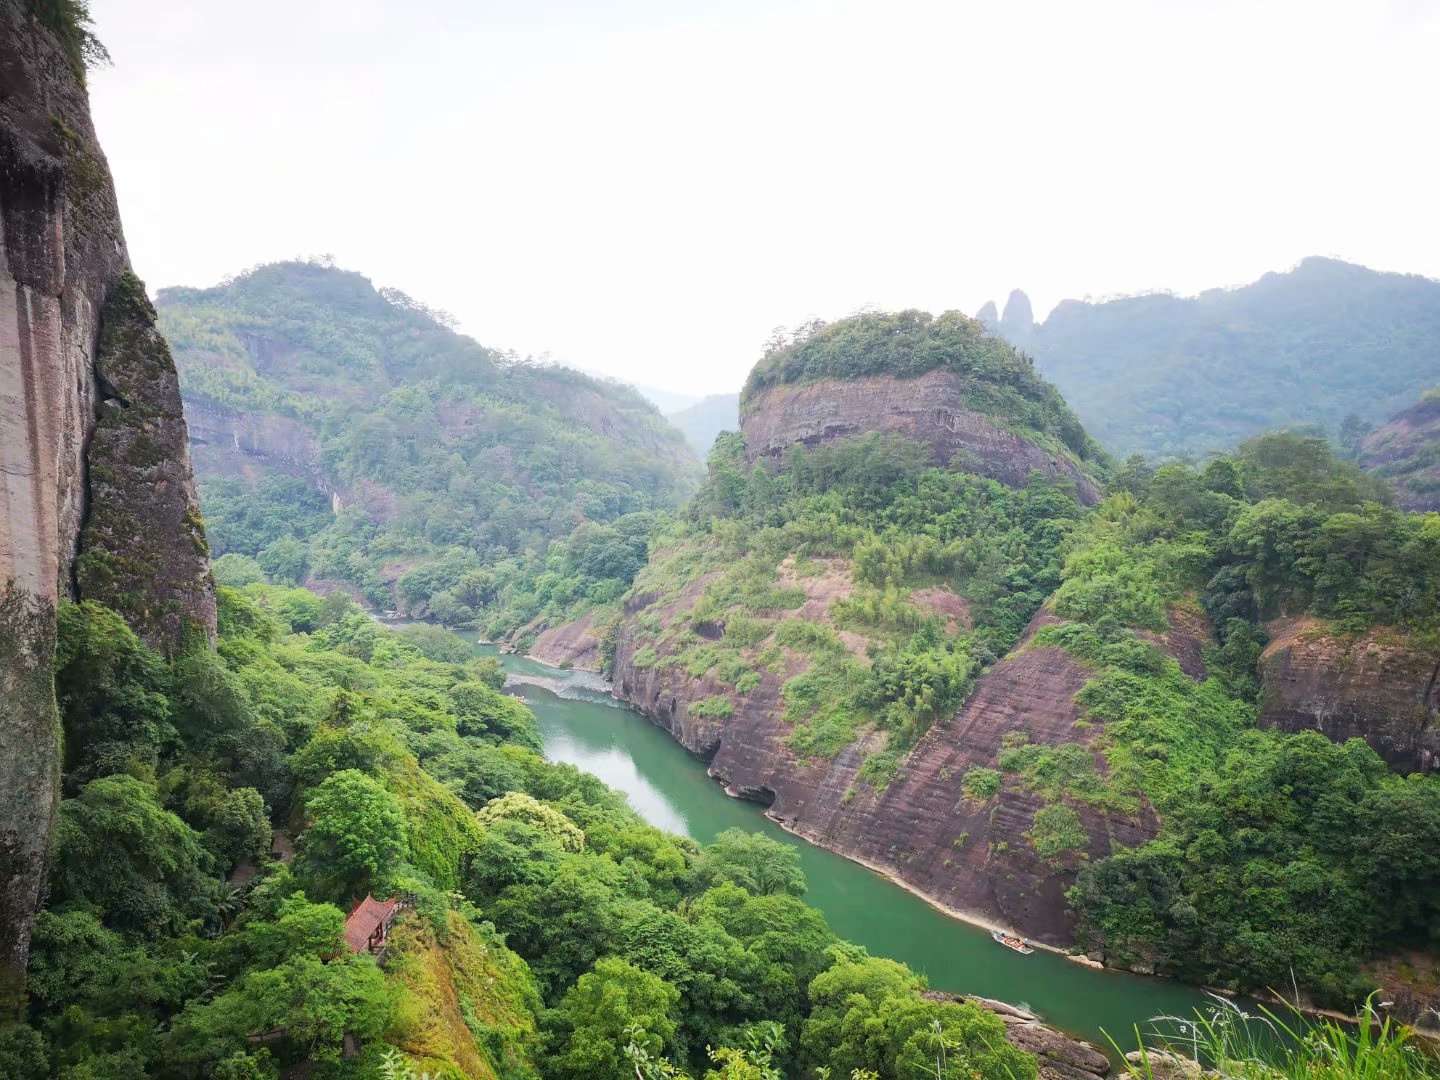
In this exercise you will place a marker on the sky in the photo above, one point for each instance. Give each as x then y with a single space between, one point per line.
648 188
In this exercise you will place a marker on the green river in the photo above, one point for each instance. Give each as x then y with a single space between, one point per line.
581 724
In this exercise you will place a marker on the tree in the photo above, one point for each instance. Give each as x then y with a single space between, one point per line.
518 806
239 827
356 837
594 1020
754 862
111 690
139 864
868 1015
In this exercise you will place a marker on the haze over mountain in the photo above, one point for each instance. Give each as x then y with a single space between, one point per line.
346 434
1169 375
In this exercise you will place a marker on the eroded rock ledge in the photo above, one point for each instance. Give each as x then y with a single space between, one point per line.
931 409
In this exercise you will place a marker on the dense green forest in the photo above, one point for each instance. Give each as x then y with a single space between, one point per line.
345 434
1173 376
1280 857
551 932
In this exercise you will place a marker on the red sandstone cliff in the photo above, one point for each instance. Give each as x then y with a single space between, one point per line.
96 496
972 857
1377 686
931 409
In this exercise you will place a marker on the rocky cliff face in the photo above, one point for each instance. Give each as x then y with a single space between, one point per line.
96 498
972 856
931 409
1376 686
1406 451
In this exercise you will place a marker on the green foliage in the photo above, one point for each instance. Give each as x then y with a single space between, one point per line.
592 1021
1258 875
140 866
980 784
518 806
752 861
868 1015
717 707
356 837
378 755
69 21
1283 1045
111 690
506 490
1056 831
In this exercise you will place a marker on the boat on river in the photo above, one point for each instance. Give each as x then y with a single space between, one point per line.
1010 941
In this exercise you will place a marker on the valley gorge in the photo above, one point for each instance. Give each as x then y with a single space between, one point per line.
377 704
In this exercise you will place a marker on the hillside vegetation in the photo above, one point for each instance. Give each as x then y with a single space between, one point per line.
1405 452
1171 376
1278 855
551 932
348 435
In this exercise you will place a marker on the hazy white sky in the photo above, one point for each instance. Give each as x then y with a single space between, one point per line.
647 188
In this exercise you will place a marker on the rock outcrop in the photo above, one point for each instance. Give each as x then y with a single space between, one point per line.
970 856
1017 322
96 498
1406 451
1377 686
932 409
574 645
1057 1056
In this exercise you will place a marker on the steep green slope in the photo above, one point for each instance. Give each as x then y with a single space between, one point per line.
1166 375
347 434
843 633
1405 451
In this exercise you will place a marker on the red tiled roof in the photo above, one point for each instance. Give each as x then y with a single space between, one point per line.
367 917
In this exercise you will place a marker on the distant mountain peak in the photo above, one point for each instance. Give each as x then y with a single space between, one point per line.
988 316
1018 319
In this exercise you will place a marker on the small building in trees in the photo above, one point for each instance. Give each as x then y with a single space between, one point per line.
367 929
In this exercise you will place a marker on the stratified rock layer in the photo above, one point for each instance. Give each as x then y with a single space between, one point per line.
972 857
75 332
931 409
1377 686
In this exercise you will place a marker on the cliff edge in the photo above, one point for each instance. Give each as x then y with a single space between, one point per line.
96 495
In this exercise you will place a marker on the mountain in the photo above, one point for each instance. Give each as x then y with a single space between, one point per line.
701 422
1174 376
941 382
345 435
97 502
894 620
1406 451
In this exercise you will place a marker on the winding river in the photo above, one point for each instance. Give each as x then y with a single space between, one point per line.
581 724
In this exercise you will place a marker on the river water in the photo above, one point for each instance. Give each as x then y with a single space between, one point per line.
581 724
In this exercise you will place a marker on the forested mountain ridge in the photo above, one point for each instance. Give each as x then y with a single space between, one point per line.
1171 376
346 434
